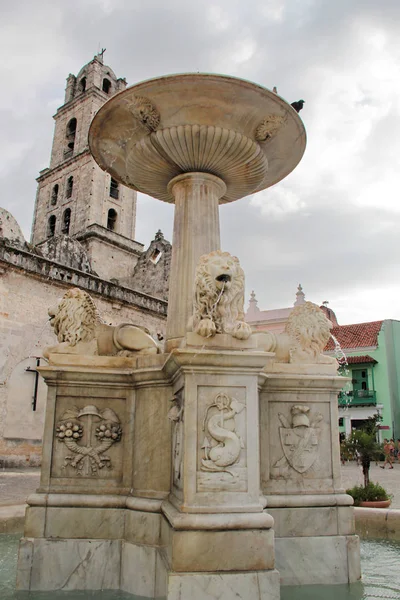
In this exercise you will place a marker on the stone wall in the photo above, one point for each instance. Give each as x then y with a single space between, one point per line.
29 284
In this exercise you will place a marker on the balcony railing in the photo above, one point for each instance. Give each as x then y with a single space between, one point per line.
357 398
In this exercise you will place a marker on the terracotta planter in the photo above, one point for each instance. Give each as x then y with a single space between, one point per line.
376 504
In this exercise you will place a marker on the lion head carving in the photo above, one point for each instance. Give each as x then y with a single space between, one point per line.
80 330
75 318
219 296
309 331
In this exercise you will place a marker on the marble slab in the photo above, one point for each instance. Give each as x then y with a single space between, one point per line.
318 560
138 570
262 585
69 564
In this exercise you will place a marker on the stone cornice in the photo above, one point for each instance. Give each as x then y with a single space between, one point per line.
93 91
51 271
65 163
110 237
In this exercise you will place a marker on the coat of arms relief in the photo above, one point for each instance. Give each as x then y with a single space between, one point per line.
299 439
88 433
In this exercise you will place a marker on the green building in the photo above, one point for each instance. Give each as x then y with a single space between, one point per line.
373 357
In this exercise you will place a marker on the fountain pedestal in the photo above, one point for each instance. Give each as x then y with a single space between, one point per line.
196 232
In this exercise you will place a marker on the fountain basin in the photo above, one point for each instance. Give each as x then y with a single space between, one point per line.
236 130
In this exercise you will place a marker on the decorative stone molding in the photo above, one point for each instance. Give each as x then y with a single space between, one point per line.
154 160
75 423
176 415
145 112
269 127
218 303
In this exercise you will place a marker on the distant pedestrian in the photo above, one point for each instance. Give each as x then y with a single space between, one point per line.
398 450
388 449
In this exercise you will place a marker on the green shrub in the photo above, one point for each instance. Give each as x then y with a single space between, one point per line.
373 492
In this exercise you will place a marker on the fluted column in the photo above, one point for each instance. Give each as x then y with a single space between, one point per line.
196 232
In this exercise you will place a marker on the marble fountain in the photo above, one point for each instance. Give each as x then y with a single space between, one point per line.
208 468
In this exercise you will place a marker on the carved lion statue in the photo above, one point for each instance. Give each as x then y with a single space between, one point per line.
80 330
219 297
306 334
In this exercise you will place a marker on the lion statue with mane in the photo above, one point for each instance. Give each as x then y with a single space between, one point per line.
218 297
306 334
80 330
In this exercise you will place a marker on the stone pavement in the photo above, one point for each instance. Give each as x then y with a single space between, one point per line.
15 486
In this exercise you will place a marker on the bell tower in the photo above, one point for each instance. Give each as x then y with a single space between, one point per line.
74 196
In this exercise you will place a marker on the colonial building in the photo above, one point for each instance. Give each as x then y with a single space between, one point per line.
372 351
83 235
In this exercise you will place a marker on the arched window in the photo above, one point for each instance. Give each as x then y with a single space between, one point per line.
66 221
70 135
51 226
70 185
106 85
114 191
54 195
111 219
82 85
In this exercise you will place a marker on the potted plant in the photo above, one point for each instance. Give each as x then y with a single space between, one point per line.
372 495
362 443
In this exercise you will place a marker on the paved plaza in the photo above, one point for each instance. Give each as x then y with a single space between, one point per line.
15 486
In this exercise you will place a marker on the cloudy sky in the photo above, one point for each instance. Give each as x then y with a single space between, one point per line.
333 225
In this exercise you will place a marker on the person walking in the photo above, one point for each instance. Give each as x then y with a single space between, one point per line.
388 449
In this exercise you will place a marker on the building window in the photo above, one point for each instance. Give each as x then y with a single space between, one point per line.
155 256
82 85
54 195
111 219
106 86
70 185
70 135
341 421
114 191
66 221
51 226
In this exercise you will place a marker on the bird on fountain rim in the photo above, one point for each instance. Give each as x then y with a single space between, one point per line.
298 105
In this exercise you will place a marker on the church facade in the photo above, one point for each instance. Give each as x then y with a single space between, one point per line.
83 235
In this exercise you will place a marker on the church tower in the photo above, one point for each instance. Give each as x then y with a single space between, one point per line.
75 197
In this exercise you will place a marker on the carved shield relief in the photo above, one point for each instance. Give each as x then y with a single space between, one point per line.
300 447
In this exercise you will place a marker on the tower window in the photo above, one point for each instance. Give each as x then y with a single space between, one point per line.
51 226
106 85
114 191
70 135
70 185
111 219
54 195
82 85
66 221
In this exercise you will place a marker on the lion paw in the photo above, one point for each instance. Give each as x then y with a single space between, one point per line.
206 328
241 331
